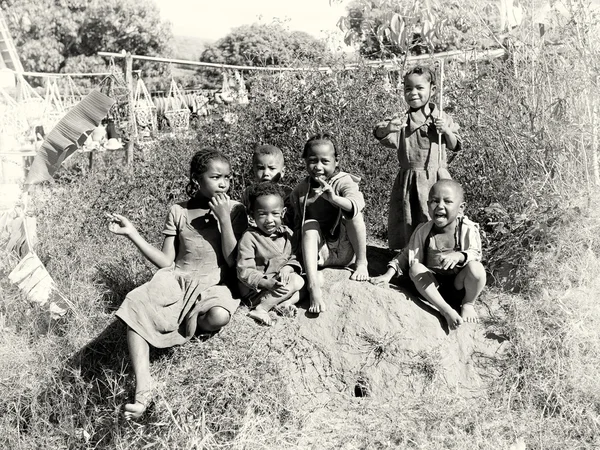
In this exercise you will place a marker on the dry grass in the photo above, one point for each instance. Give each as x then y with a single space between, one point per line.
62 383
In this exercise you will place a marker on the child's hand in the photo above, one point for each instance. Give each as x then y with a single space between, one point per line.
275 286
450 260
396 124
381 280
284 274
120 225
220 205
441 126
326 189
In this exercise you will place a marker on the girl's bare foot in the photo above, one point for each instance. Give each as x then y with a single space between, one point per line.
452 318
469 314
361 273
134 411
261 316
316 301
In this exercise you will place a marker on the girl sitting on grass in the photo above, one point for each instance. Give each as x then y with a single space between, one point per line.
187 295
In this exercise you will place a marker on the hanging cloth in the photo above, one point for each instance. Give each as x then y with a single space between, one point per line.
242 92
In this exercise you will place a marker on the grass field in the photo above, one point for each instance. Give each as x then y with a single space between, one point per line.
529 167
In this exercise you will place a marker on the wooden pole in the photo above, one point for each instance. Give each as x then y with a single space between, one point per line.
129 148
440 111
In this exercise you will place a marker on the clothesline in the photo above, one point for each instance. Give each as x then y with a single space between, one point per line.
58 75
464 55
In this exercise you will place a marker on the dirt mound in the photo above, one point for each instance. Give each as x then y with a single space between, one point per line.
380 343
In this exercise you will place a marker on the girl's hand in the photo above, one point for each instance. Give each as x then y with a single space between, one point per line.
396 124
220 205
441 126
120 225
381 280
284 274
450 260
276 286
326 189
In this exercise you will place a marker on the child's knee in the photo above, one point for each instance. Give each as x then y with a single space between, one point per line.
416 269
357 222
296 282
476 270
217 317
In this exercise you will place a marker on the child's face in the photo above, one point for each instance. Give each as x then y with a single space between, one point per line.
417 90
215 180
445 204
320 161
268 168
268 212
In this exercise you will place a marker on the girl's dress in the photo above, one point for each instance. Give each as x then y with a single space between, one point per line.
193 284
422 163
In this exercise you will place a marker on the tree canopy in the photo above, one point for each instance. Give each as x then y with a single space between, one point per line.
61 35
265 45
385 28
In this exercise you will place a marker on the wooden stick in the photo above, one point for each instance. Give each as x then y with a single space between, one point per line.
440 111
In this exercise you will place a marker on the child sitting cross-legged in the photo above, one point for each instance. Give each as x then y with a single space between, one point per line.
265 262
444 256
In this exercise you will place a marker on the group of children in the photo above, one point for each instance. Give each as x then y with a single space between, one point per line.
277 238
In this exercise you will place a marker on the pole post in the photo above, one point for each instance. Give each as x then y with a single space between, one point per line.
132 128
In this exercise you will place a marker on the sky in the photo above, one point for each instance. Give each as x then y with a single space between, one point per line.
213 19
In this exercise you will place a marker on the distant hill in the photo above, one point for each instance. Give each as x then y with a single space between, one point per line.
188 47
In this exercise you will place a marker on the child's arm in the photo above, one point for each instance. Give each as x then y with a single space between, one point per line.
387 132
397 266
120 225
220 205
246 263
470 246
350 199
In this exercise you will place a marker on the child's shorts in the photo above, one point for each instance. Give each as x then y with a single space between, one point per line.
449 293
338 252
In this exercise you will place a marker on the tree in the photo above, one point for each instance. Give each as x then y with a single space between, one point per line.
265 45
386 28
53 35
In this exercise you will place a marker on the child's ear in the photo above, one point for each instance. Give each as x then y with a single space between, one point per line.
283 211
433 89
461 208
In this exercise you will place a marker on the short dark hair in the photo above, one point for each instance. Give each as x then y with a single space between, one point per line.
320 138
266 149
262 189
452 183
422 70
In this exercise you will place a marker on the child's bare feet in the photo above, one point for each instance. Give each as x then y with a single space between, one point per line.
261 316
469 314
361 273
316 300
134 411
452 318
